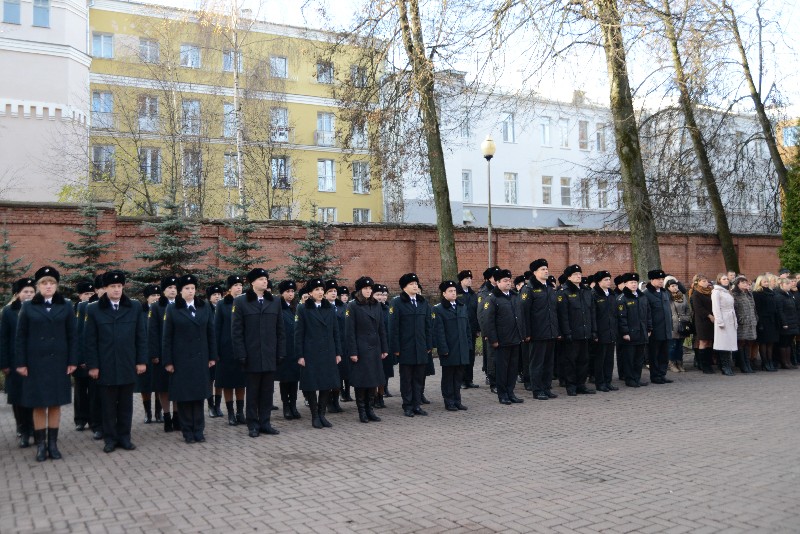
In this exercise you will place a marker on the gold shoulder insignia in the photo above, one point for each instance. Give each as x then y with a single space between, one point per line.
524 296
560 298
296 318
347 313
480 299
165 316
233 308
149 314
391 309
486 306
433 315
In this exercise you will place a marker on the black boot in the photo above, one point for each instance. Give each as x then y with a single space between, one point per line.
697 360
287 412
148 411
346 392
159 413
231 413
217 402
211 413
176 422
167 422
706 362
379 401
293 404
312 405
360 401
240 418
39 437
333 402
52 444
725 363
368 406
322 406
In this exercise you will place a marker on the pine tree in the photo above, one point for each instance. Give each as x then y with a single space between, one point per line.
84 255
789 251
175 248
314 258
11 270
243 248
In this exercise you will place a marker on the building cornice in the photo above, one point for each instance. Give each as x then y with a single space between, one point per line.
45 49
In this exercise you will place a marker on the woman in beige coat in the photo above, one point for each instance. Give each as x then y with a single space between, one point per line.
725 325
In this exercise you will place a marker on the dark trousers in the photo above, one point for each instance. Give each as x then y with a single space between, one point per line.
506 361
632 357
491 364
117 404
452 378
621 372
468 375
602 355
525 362
576 362
658 358
258 395
95 407
541 366
192 418
80 399
24 418
412 380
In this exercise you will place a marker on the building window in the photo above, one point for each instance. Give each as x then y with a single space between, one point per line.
280 172
583 135
325 72
148 113
544 130
585 191
600 135
510 180
41 13
791 136
149 50
230 177
191 117
507 123
192 167
193 210
361 215
228 120
700 194
280 213
359 138
102 162
11 11
279 121
563 132
359 76
326 175
278 67
326 215
232 211
325 135
361 177
602 194
190 56
103 45
466 185
102 110
227 60
150 165
547 190
566 192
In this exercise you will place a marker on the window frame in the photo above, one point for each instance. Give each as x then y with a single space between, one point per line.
229 55
325 183
190 123
326 214
466 185
566 188
276 181
509 135
361 179
563 132
274 67
583 135
103 115
147 166
41 8
547 190
105 39
99 171
148 120
194 180
325 74
188 51
146 47
7 19
361 212
511 188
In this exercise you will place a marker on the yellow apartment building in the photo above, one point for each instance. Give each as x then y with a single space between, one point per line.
165 85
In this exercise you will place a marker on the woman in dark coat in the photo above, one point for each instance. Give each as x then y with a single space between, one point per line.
24 289
46 353
144 381
768 328
213 296
189 348
367 345
230 375
342 296
288 373
790 327
381 293
700 301
318 350
155 326
331 295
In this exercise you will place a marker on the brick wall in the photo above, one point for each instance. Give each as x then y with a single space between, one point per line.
386 251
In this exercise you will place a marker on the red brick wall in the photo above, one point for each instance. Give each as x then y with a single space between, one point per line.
387 251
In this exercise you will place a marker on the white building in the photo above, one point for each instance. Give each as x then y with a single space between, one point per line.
44 67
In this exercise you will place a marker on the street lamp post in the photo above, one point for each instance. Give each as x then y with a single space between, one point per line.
488 148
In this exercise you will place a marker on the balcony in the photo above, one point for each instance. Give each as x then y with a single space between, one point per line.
324 138
282 134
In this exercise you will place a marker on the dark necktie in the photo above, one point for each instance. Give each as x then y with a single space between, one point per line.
116 306
260 302
191 309
48 304
414 302
454 305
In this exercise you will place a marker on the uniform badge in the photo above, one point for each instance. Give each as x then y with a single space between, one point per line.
233 308
165 316
149 314
480 299
524 296
486 306
560 298
391 309
347 313
433 315
296 318
621 307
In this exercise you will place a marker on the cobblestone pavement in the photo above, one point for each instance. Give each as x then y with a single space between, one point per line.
705 454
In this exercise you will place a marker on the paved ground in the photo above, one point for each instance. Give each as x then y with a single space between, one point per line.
706 454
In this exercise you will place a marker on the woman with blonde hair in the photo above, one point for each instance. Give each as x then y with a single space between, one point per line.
768 327
725 325
700 301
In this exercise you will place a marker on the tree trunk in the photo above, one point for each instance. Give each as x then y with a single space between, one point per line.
423 75
717 209
639 210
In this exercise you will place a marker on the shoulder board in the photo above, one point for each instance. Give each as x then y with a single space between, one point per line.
296 318
601 300
573 295
149 313
233 308
433 315
480 299
631 302
165 316
537 290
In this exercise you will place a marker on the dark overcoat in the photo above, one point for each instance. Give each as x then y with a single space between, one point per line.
229 373
787 311
540 305
701 309
469 299
8 331
768 327
344 365
46 343
605 313
317 341
410 330
576 317
155 326
189 343
505 320
115 341
660 313
391 360
633 317
365 338
144 381
452 333
80 323
288 370
259 336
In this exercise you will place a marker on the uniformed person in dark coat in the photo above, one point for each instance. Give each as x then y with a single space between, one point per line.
540 306
488 352
576 322
661 316
23 289
342 296
602 346
144 381
230 375
381 294
288 373
189 348
367 345
332 296
155 326
45 355
116 351
505 330
411 340
213 296
469 299
453 339
259 344
634 326
619 285
318 351
95 404
81 383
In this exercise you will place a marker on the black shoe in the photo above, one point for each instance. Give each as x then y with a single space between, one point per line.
241 419
253 433
528 387
541 396
287 412
643 383
551 394
505 401
109 447
493 389
200 438
128 446
572 392
612 387
386 393
274 408
603 388
24 440
333 404
232 419
212 413
148 418
408 412
270 430
464 386
472 385
461 406
295 413
315 420
583 390
420 411
657 381
40 436
159 417
423 400
189 439
667 380
516 400
97 435
167 422
632 383
450 407
80 427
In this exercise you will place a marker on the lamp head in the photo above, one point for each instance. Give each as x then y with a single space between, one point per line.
488 148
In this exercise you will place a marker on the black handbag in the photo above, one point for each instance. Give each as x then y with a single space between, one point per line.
685 328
